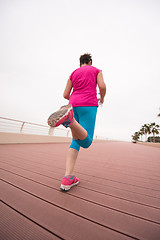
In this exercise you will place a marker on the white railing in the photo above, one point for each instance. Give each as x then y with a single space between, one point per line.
18 126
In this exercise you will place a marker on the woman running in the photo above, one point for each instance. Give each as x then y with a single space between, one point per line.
80 114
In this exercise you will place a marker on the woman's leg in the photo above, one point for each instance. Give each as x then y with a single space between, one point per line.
87 119
73 151
78 132
72 155
82 128
82 135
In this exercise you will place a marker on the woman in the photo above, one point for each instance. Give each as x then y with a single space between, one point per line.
80 114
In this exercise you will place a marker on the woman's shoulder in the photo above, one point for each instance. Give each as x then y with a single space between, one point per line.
95 69
85 69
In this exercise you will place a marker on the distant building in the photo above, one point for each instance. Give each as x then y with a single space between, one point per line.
157 139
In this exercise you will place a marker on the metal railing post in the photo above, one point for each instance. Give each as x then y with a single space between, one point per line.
22 127
51 131
67 133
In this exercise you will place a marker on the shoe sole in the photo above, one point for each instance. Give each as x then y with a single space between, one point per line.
68 187
59 115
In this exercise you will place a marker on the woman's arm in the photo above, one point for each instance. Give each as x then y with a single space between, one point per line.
102 86
68 89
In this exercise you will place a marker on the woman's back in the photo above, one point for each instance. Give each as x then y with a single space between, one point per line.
84 81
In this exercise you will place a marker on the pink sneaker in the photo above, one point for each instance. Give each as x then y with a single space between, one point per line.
63 116
68 182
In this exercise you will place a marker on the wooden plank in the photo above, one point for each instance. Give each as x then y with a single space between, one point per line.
109 218
147 212
15 226
106 190
120 177
96 179
145 188
62 223
102 172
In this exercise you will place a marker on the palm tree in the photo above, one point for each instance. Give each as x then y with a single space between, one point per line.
146 130
135 137
141 132
154 129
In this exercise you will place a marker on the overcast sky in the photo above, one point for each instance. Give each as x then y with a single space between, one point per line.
40 45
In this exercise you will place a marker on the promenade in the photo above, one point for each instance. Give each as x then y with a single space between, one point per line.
118 196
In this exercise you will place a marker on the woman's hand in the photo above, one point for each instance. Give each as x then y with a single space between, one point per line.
101 100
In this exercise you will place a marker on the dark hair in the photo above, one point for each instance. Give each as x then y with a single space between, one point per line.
85 58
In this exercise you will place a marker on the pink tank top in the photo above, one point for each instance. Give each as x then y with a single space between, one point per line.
84 82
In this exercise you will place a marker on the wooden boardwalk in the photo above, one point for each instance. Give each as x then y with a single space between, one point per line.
118 196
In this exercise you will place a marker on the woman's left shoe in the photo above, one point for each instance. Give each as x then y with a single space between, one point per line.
68 182
63 116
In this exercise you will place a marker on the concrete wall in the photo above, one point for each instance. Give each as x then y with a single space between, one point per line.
9 138
13 138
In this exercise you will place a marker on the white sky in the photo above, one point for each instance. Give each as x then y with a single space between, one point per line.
40 45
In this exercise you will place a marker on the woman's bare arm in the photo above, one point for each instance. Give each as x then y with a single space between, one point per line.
102 86
68 89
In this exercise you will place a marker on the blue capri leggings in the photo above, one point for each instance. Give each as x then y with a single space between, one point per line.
86 117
